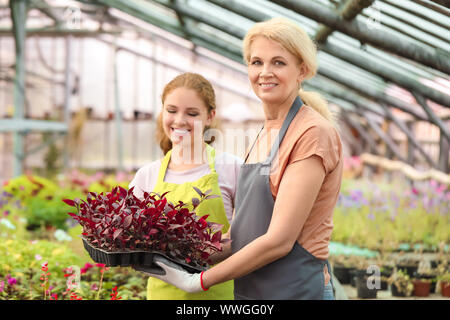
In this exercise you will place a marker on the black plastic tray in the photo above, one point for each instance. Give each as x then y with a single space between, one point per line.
140 260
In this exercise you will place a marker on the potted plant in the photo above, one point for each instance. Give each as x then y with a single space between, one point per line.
425 273
421 287
408 266
444 281
364 289
401 284
363 279
342 268
385 274
120 229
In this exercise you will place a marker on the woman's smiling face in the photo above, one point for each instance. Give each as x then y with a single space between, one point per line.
274 72
184 113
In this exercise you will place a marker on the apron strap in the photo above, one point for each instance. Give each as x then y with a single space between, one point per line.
290 116
210 153
163 167
254 142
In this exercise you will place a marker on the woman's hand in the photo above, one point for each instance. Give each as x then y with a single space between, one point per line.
174 275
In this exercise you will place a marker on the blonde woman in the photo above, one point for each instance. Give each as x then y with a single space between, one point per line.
285 198
188 111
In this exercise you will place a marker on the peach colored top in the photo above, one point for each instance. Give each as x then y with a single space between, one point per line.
309 134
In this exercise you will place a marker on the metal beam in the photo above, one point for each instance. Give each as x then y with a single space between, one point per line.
337 76
47 10
206 19
144 13
348 11
431 115
409 135
362 131
384 40
19 17
445 3
57 32
22 126
366 62
356 58
67 93
368 91
118 112
389 143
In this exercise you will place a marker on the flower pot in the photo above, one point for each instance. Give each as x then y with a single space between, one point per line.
432 279
343 274
421 288
445 288
354 274
362 289
384 284
133 258
396 292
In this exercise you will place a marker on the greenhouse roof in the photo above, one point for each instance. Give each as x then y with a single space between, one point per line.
369 50
388 58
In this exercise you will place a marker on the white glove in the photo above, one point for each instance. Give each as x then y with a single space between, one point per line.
176 275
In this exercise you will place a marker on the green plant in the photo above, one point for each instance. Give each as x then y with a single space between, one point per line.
39 201
444 277
402 282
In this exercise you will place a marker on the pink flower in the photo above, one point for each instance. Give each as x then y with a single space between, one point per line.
12 281
44 267
2 286
86 267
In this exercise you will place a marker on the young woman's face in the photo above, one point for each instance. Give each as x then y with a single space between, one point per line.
274 72
185 116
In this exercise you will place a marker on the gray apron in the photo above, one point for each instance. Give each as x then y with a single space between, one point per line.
298 275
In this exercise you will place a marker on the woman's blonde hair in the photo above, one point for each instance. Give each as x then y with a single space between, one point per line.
187 80
295 40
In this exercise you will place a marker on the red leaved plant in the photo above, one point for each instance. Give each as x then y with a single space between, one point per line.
119 221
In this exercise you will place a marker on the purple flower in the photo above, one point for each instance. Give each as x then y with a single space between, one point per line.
371 216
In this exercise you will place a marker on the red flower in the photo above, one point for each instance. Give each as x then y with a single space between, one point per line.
114 294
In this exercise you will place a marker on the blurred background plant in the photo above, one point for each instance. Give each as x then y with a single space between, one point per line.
387 217
371 220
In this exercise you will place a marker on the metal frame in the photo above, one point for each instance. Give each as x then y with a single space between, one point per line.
357 63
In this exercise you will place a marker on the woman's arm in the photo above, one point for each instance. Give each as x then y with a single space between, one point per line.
298 190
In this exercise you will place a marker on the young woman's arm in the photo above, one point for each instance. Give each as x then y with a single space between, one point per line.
298 190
